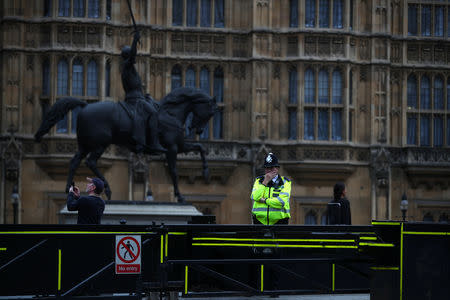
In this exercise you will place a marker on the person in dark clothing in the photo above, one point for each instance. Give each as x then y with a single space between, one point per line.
138 107
338 210
90 208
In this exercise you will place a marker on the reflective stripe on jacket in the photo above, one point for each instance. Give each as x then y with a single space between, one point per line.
277 200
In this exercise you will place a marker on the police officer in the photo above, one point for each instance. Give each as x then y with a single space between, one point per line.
270 195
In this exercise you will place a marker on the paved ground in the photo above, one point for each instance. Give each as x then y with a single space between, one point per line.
302 297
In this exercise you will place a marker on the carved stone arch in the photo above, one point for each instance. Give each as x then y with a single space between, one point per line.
45 57
313 67
324 67
95 57
292 66
220 67
63 56
83 61
208 67
439 74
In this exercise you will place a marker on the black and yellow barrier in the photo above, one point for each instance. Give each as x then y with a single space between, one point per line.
70 261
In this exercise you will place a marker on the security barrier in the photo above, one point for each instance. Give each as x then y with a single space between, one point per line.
130 261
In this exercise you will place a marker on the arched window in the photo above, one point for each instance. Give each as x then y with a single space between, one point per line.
177 12
191 13
108 9
411 125
412 129
448 93
426 20
324 13
293 16
77 78
205 86
108 79
310 13
62 90
292 111
93 9
310 218
63 78
412 19
47 8
439 21
336 125
190 77
205 13
310 86
46 78
425 93
323 130
309 124
425 103
92 79
176 77
323 86
218 93
219 13
324 114
338 13
293 86
438 93
412 91
438 119
337 87
204 80
78 8
425 130
64 8
438 131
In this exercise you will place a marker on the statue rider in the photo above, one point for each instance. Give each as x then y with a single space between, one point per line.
140 110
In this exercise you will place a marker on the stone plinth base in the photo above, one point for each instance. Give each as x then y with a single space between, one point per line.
139 213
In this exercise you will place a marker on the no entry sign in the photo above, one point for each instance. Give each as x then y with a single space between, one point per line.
128 254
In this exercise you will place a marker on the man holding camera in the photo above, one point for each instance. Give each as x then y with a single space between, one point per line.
90 208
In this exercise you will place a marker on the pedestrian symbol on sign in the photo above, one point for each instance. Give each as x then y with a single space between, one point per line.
128 254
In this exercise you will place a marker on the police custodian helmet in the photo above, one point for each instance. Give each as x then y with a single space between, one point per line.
271 161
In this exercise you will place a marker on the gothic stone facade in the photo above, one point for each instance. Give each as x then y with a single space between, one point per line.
340 90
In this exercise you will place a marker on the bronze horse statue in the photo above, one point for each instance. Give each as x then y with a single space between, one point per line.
104 123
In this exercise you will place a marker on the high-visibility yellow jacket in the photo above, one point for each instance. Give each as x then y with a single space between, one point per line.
277 196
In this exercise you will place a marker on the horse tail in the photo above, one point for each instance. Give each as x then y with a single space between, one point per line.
56 113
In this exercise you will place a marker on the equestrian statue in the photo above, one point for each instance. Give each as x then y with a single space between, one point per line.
139 123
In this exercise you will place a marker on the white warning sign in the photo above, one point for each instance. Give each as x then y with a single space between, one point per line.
128 254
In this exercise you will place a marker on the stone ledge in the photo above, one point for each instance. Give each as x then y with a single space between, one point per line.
323 173
139 213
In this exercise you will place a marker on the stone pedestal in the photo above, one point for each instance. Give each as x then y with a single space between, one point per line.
139 213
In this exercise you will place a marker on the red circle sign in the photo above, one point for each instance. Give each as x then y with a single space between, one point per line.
128 250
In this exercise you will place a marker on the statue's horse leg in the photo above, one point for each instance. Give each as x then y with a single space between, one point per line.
171 156
91 163
74 164
188 147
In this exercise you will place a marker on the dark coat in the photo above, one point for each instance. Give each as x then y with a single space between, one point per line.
90 208
338 212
